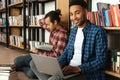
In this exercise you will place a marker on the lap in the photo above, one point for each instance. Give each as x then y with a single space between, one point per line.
22 61
78 77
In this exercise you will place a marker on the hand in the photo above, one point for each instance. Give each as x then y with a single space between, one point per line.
41 22
71 69
35 50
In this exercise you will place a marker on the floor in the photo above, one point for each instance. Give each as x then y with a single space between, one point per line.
7 56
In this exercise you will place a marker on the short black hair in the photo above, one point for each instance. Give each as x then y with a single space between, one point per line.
54 15
82 3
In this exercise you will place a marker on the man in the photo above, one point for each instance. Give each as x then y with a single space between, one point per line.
58 39
85 52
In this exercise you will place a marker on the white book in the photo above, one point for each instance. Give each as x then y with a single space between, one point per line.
5 68
45 47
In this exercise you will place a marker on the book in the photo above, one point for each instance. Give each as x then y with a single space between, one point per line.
45 47
5 68
4 75
4 72
100 7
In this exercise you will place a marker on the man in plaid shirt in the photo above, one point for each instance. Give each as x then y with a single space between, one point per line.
85 52
58 39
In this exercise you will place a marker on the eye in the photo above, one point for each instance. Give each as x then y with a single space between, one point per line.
71 14
77 12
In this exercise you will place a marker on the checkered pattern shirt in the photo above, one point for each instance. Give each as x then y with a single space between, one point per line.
58 38
94 49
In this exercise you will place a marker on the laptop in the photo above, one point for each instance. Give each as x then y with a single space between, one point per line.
49 65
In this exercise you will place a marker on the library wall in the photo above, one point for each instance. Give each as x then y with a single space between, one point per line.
64 11
114 41
48 7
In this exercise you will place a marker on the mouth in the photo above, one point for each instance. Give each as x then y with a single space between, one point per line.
75 21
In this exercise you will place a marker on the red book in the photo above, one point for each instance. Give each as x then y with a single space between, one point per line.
110 18
113 15
97 16
117 13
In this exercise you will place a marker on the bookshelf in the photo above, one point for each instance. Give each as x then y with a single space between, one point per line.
17 23
112 73
18 27
113 32
111 28
3 25
36 10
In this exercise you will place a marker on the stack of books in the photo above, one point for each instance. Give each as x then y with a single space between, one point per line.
5 72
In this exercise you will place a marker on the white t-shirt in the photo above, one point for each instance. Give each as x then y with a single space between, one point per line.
77 57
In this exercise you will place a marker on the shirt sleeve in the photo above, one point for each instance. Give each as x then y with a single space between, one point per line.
43 25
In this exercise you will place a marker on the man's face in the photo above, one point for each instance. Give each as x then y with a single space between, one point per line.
78 15
49 24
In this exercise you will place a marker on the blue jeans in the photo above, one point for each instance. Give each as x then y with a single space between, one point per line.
22 63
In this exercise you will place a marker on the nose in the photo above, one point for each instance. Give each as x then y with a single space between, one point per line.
73 17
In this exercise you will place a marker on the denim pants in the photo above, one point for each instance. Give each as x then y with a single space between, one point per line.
22 63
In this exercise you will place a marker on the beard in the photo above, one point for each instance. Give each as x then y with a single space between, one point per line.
80 22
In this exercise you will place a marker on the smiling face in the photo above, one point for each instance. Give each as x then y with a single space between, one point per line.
78 15
49 24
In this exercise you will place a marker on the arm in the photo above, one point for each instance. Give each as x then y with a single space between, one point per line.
58 41
43 25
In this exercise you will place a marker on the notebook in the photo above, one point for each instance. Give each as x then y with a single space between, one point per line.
45 47
49 65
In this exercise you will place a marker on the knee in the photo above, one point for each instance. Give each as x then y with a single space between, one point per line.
22 60
17 60
30 74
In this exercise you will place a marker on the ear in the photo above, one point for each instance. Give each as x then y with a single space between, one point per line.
55 22
86 11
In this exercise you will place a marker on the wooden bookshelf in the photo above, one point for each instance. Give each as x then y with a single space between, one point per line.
3 42
111 28
112 74
17 47
2 26
16 26
2 10
16 4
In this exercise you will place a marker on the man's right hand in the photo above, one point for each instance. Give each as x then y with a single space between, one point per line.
35 50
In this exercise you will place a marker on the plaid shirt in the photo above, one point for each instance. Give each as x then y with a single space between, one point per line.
58 38
93 51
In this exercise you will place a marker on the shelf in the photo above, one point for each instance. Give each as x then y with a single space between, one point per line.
16 4
111 28
16 26
2 26
3 42
34 26
42 1
16 46
2 10
112 74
